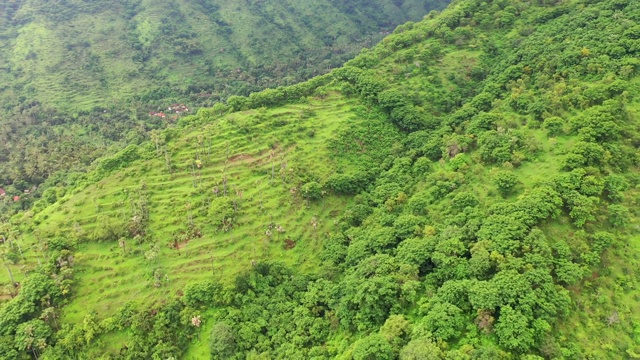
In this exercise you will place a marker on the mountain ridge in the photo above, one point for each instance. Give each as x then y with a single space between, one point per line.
206 41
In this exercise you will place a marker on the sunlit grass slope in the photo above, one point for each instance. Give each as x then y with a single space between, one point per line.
262 154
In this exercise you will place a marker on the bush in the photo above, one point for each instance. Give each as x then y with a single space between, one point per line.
619 215
220 212
464 200
497 147
373 347
311 191
422 166
391 99
120 160
421 348
506 182
205 294
445 321
408 118
347 184
513 330
408 225
222 343
615 186
554 126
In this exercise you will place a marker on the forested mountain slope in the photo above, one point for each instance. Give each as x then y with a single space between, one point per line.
84 75
80 54
467 189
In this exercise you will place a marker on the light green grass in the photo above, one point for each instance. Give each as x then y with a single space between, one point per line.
106 278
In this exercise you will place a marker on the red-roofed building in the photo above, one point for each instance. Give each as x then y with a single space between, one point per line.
2 192
16 198
159 114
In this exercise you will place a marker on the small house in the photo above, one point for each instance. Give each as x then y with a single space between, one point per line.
2 192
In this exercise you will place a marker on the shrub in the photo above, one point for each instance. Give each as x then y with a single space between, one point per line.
619 215
554 126
202 294
506 182
311 191
220 211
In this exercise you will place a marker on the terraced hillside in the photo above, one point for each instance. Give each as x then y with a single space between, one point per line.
467 189
232 197
213 199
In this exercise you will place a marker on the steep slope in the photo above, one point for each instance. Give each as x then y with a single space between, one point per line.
85 75
466 189
78 55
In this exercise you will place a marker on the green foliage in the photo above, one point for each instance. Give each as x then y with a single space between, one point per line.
311 191
110 75
290 319
407 225
411 253
445 321
222 341
347 184
506 182
14 313
498 147
221 212
109 229
554 125
396 330
619 215
32 336
378 275
121 159
615 186
463 200
391 99
421 348
373 347
513 330
203 294
7 350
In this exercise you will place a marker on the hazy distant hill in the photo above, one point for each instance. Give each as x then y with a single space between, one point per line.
78 54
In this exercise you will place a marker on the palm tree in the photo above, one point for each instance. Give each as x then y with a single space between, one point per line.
123 244
4 262
314 224
280 230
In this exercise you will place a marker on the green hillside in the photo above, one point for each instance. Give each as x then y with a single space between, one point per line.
76 55
86 74
466 189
